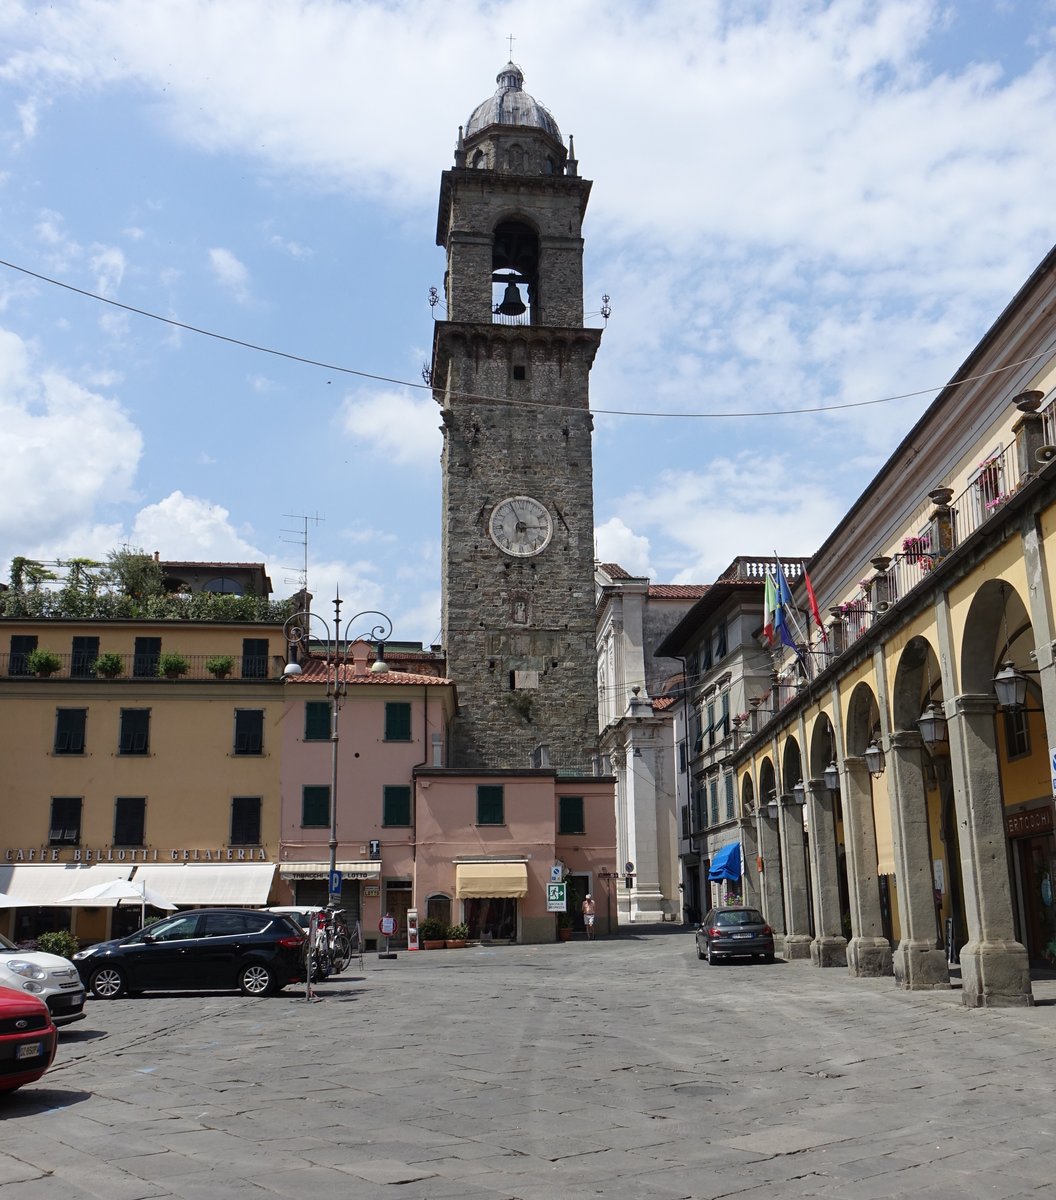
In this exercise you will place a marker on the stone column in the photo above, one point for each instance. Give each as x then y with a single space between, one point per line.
829 947
994 966
868 951
794 872
918 962
750 881
769 845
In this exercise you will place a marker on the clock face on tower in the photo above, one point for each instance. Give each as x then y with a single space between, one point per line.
520 526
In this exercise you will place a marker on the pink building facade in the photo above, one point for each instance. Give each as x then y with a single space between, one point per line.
474 847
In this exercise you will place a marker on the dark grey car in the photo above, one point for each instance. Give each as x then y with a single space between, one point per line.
735 931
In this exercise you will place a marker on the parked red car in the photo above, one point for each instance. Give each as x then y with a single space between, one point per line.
27 1039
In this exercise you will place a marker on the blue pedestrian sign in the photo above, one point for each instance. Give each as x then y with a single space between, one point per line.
335 883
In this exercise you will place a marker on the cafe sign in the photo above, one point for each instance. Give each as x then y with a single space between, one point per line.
110 854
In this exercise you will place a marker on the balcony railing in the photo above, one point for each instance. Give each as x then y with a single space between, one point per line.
144 667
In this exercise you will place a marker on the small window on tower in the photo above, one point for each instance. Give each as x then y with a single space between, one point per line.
519 371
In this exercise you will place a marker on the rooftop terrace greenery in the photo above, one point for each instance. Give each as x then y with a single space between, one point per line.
128 587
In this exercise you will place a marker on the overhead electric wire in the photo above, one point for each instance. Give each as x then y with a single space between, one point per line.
406 383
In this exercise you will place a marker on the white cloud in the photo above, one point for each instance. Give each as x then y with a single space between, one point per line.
293 249
66 450
745 505
108 263
193 529
230 273
404 428
617 543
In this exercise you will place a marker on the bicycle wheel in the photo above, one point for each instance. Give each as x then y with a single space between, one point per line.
340 953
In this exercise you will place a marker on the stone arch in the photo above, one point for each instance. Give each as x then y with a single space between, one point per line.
767 781
918 681
791 765
747 795
863 720
997 630
822 746
515 251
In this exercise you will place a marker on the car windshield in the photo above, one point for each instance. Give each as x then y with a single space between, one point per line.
740 916
6 943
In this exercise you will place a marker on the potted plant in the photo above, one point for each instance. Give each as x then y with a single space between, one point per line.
220 665
43 662
564 926
456 936
109 666
172 666
432 934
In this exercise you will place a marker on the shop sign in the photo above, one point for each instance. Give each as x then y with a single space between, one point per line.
74 854
372 893
1026 824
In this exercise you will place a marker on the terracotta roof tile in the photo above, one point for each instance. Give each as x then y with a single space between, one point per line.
615 571
662 703
678 591
315 671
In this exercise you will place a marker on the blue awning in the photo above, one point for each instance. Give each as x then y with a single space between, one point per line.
726 862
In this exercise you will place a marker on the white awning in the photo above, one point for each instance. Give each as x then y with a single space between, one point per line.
321 870
209 883
44 884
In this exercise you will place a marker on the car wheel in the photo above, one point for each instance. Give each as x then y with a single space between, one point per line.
769 958
256 979
700 953
108 983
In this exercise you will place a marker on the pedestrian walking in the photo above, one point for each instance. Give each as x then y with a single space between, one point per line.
588 916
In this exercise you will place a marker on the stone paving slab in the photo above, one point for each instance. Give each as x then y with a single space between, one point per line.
623 1069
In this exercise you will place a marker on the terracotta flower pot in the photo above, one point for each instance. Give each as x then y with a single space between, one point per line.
455 943
434 945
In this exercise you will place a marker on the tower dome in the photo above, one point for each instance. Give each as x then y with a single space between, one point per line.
511 105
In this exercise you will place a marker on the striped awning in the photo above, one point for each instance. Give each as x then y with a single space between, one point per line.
490 880
321 870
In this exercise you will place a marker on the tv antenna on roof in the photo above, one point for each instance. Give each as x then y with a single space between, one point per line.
301 539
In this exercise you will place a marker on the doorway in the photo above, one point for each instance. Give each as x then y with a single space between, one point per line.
1037 864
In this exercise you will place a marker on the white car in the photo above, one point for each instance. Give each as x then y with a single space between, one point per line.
47 976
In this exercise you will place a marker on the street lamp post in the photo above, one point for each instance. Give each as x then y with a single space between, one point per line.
297 632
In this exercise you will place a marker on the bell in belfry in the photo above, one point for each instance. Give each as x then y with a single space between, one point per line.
512 305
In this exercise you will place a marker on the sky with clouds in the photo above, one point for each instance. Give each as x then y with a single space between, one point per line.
796 205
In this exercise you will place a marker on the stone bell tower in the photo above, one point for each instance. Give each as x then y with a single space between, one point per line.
510 371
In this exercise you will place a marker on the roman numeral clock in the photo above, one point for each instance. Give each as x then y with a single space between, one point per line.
510 370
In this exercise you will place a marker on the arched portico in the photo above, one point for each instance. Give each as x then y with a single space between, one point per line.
829 947
750 881
869 950
919 958
768 839
994 964
798 931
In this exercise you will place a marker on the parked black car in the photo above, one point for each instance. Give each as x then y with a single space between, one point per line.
735 931
259 952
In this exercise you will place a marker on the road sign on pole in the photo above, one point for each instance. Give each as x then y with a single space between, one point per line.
336 881
556 897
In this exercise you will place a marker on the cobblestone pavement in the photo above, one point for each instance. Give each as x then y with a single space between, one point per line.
624 1069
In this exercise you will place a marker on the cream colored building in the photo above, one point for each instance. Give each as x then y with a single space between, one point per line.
890 771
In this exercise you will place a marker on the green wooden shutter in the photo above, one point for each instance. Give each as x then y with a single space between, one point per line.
396 805
490 805
397 722
315 806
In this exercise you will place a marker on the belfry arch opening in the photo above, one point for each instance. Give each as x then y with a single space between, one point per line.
514 273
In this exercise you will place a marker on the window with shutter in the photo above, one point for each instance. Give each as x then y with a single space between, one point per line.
315 807
249 731
69 730
396 805
317 721
397 721
491 805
